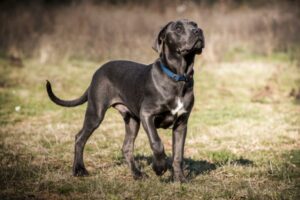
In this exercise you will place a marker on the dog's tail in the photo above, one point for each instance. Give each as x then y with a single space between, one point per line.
66 103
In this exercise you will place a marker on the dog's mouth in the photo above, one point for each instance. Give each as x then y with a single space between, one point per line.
196 48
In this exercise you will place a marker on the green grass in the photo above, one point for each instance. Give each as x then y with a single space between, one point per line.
238 146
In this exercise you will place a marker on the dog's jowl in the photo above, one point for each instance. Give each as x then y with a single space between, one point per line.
159 95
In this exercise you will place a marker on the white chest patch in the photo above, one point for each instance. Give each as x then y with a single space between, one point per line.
179 110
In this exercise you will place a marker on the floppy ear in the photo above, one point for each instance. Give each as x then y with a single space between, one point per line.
160 38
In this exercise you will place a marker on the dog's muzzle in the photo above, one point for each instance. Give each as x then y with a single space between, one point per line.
197 47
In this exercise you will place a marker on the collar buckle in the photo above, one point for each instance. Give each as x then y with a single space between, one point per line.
175 77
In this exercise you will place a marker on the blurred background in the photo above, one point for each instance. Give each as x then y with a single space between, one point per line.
53 30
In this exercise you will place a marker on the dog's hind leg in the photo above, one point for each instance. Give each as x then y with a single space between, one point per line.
93 118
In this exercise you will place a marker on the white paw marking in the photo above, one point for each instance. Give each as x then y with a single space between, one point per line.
179 110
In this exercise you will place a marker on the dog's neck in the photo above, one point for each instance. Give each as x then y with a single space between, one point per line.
177 63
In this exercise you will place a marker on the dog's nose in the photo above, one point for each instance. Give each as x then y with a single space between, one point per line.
196 31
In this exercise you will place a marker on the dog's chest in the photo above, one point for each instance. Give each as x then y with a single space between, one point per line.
179 108
176 107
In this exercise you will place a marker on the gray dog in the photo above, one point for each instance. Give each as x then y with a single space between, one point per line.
159 95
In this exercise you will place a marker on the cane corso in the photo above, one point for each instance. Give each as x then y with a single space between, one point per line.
159 95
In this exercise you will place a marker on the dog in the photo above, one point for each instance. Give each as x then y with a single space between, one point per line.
159 95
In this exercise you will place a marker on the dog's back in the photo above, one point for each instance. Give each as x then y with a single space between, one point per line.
122 81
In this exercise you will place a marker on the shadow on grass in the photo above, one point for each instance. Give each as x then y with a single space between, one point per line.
16 174
198 167
195 168
242 162
22 175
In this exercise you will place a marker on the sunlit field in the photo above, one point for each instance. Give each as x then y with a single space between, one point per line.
243 139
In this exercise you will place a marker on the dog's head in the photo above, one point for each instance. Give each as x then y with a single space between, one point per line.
182 37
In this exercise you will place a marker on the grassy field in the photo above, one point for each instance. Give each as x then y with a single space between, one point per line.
243 139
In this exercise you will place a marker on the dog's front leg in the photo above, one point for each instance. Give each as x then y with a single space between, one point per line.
178 140
159 161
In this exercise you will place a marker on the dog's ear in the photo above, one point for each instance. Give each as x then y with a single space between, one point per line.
160 38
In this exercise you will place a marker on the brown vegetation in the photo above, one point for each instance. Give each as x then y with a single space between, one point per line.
97 31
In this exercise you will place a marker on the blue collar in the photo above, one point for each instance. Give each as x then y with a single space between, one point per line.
175 77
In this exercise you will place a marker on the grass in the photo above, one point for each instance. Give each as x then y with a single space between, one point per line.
243 142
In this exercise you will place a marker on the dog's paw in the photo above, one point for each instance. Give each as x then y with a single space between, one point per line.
80 171
160 167
138 175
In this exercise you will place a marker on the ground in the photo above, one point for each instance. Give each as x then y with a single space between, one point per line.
243 136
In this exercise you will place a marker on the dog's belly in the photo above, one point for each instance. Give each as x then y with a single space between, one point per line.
164 120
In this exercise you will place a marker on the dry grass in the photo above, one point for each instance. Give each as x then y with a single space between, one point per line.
236 148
